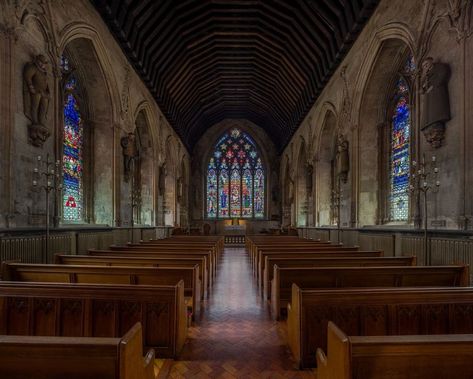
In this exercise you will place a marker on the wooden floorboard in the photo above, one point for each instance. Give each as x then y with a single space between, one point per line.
235 336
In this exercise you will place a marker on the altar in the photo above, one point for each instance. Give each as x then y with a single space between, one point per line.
235 232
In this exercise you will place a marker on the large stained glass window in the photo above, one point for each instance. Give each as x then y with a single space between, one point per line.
400 159
72 160
235 178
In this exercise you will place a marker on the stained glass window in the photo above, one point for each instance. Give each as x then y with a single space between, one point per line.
259 190
235 178
72 160
212 190
400 159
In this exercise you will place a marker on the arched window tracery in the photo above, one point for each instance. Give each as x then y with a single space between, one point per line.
400 145
235 184
72 144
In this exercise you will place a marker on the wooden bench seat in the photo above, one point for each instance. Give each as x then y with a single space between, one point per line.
96 310
76 357
256 254
89 260
315 261
217 241
109 275
395 357
374 311
335 277
323 252
183 243
157 254
175 251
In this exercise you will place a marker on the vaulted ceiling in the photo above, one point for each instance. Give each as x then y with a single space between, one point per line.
261 60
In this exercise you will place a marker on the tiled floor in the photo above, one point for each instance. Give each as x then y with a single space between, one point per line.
235 337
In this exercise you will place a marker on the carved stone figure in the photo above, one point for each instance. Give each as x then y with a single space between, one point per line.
436 103
342 158
130 153
310 174
162 179
290 190
36 96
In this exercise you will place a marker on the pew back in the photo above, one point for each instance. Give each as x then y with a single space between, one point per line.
75 357
396 357
333 277
108 275
91 310
374 311
315 261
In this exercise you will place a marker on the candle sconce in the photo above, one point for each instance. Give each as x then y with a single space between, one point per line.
424 179
46 176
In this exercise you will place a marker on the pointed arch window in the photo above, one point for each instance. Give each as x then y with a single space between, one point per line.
400 142
72 158
235 185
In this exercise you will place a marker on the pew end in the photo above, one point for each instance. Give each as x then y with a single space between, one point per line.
131 349
50 357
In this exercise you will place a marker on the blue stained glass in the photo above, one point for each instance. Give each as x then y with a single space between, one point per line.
223 195
212 190
235 193
400 158
247 193
233 166
72 155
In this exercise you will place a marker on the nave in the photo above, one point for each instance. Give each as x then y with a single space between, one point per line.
235 336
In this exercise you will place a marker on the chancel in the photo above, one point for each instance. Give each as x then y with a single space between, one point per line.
236 189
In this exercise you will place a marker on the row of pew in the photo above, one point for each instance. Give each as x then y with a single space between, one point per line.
105 308
329 292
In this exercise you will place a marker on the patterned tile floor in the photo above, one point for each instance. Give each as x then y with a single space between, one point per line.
235 337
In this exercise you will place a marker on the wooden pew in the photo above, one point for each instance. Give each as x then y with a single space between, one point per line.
315 261
76 357
327 252
172 250
89 260
109 275
252 242
256 251
180 243
335 277
395 357
157 254
217 241
92 310
374 311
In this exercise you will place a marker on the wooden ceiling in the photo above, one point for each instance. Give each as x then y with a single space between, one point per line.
261 60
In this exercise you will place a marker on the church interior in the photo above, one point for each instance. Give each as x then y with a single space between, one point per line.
236 189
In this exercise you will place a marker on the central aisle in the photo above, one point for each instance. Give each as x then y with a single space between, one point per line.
235 337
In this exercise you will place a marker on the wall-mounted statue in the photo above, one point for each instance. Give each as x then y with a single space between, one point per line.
162 179
36 96
290 191
130 153
342 158
435 100
180 189
310 178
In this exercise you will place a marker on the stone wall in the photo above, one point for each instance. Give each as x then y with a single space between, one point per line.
354 104
115 102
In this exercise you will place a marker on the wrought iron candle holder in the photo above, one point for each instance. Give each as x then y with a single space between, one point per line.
424 179
46 176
